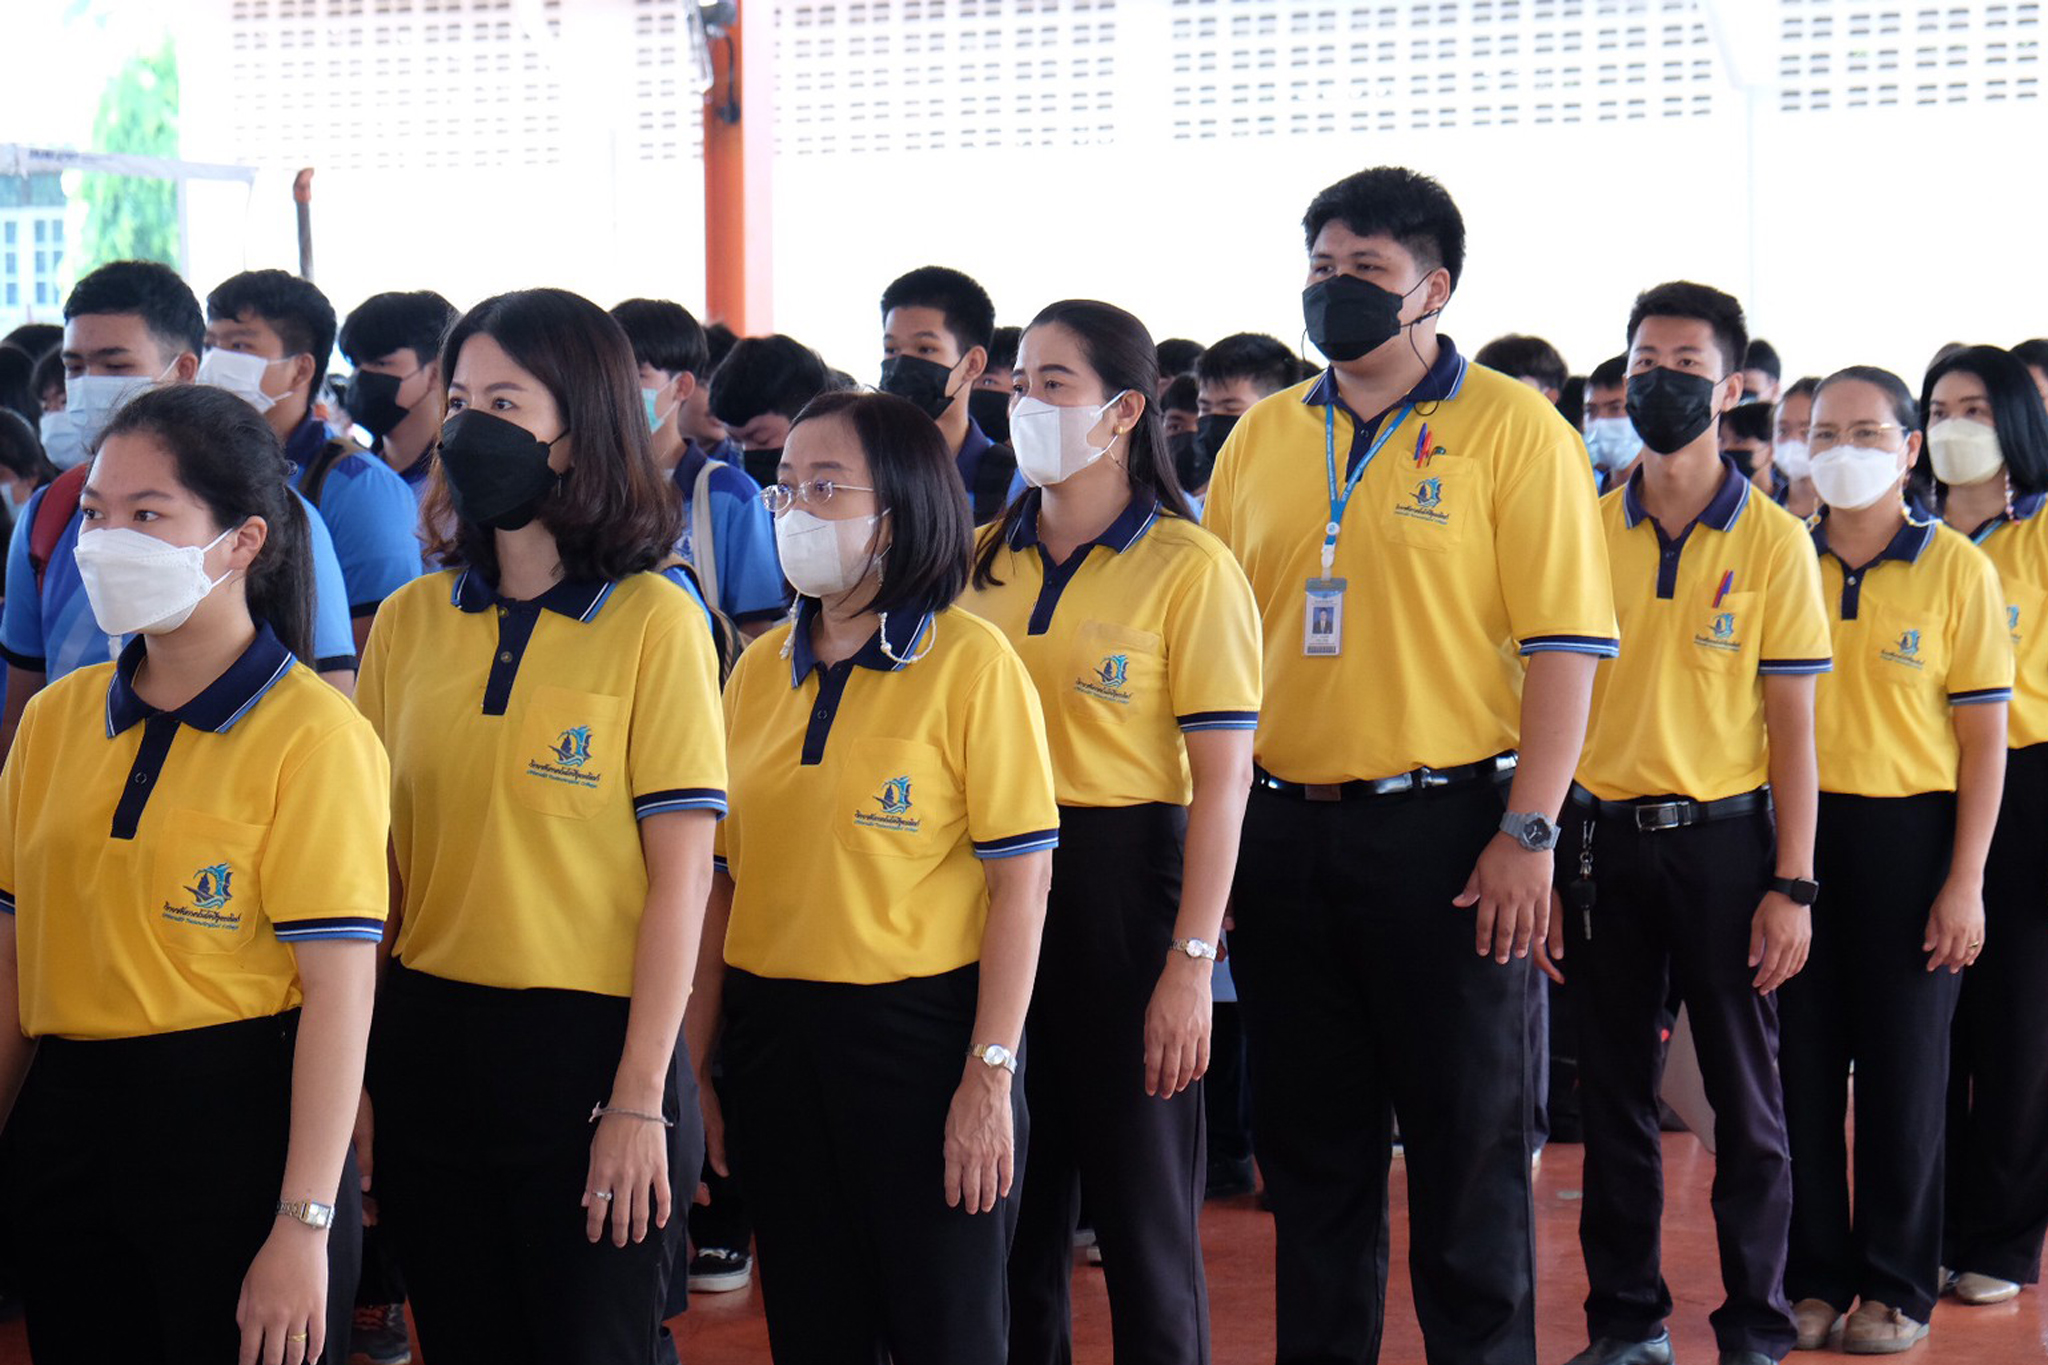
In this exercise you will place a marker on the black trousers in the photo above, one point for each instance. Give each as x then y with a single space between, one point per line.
1363 998
1866 998
144 1180
1998 1087
483 1101
1226 1090
1116 880
838 1101
1674 910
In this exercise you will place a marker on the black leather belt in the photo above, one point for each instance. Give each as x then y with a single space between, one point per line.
1653 814
1422 779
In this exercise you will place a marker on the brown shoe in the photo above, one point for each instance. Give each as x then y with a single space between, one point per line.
1817 1320
1875 1330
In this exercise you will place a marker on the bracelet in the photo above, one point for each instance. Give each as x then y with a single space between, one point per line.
599 1111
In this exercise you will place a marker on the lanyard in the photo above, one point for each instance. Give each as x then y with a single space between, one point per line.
1340 501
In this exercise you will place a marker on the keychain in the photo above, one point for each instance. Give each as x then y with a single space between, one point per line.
1580 893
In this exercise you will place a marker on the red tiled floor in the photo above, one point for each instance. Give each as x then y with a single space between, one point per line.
727 1330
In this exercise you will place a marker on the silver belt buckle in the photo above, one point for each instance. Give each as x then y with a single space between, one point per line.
1651 819
1426 778
1321 791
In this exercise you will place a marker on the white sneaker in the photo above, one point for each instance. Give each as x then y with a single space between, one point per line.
1979 1290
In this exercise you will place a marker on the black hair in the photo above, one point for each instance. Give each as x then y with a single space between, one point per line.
2017 414
49 374
1183 394
1120 351
616 513
294 308
1263 360
398 320
1699 303
2033 353
1804 387
969 314
21 449
719 340
148 290
1761 355
1905 411
1571 401
17 383
664 336
1002 349
1525 357
228 457
35 339
1748 422
1178 355
1396 202
931 529
774 373
1611 373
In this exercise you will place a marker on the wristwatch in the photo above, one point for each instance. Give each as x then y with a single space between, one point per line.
306 1211
1796 890
994 1055
1193 947
1534 832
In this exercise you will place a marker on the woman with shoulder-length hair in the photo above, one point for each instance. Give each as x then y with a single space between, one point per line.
192 891
1142 637
1987 440
881 889
551 710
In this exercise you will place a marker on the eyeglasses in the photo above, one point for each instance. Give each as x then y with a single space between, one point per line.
1864 434
780 497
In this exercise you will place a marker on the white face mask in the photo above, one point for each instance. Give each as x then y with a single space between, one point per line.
240 374
1612 442
61 441
139 584
1793 459
1850 477
1052 442
1964 452
823 558
91 400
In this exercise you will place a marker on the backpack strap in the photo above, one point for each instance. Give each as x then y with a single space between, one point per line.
701 541
53 515
726 639
315 478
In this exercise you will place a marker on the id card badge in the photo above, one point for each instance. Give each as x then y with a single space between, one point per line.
1322 626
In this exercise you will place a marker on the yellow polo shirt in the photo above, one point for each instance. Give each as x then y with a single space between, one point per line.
2018 548
528 740
865 795
1917 631
1705 615
1147 633
160 865
1471 540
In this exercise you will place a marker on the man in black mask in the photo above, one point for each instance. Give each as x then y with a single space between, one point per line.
1232 375
989 404
393 344
937 327
1423 539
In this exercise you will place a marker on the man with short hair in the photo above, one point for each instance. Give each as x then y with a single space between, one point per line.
1760 372
1177 356
937 327
989 404
268 336
1745 435
1231 377
1611 439
1530 359
397 393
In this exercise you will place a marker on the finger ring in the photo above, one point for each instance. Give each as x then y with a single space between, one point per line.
296 1336
605 1195
1973 947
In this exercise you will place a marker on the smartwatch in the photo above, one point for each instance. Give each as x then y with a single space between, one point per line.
1796 890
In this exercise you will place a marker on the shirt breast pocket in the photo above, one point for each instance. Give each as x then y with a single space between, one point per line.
1726 635
896 799
1115 671
570 756
207 894
1911 649
2024 604
1432 504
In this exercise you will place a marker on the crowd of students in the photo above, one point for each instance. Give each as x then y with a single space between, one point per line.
654 802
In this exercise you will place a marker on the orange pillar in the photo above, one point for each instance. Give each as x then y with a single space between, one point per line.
739 151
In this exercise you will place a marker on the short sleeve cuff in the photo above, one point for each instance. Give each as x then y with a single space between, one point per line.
358 610
719 864
679 798
357 928
988 850
6 902
1796 666
1599 646
27 663
1982 694
1219 720
335 663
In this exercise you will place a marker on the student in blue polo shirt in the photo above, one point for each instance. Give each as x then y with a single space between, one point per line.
937 326
728 536
127 325
397 393
268 336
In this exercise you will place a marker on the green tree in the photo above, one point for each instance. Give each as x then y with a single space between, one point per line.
131 217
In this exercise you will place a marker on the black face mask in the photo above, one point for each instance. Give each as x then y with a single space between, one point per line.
1670 409
372 399
918 381
1348 317
1181 448
1210 433
497 470
990 409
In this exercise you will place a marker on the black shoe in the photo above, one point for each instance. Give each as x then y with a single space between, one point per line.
1228 1178
1747 1358
1608 1351
719 1270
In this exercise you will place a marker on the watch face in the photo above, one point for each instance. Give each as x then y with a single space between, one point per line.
996 1055
1540 829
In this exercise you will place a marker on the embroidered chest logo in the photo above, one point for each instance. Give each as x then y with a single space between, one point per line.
1721 634
1110 681
2012 623
1425 502
568 760
1904 651
211 889
893 809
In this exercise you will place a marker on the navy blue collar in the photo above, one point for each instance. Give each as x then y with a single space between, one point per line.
972 444
224 701
1907 546
1443 381
2023 509
577 599
906 633
306 442
1127 530
1721 510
